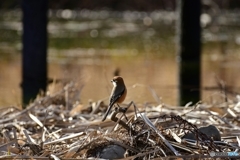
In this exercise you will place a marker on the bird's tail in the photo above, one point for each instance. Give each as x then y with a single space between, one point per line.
107 112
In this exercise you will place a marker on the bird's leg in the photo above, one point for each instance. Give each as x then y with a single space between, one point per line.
123 110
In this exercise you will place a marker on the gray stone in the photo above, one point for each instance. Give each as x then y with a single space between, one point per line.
211 131
112 152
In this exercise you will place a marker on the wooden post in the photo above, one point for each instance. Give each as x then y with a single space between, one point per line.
34 53
189 51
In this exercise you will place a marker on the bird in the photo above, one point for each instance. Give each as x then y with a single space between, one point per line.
118 94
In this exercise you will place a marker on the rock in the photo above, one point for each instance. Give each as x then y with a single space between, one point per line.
211 131
112 152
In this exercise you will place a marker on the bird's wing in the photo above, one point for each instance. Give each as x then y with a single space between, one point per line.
116 96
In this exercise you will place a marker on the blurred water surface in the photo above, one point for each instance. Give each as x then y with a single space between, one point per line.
88 46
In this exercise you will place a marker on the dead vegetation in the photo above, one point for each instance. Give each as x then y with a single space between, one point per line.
57 126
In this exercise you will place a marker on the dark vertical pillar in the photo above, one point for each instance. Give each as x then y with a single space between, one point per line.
189 50
34 53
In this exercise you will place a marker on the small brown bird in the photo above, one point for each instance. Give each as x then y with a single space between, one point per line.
118 94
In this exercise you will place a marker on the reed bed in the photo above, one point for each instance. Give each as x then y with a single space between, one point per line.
57 126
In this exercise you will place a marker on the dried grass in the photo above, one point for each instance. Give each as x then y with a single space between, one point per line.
56 126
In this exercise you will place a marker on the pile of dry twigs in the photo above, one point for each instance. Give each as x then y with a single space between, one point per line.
57 127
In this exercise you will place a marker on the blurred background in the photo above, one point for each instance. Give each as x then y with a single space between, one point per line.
89 41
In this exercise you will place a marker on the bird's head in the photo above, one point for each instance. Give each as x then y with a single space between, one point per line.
117 80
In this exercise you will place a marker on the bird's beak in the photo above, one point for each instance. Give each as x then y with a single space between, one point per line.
114 83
